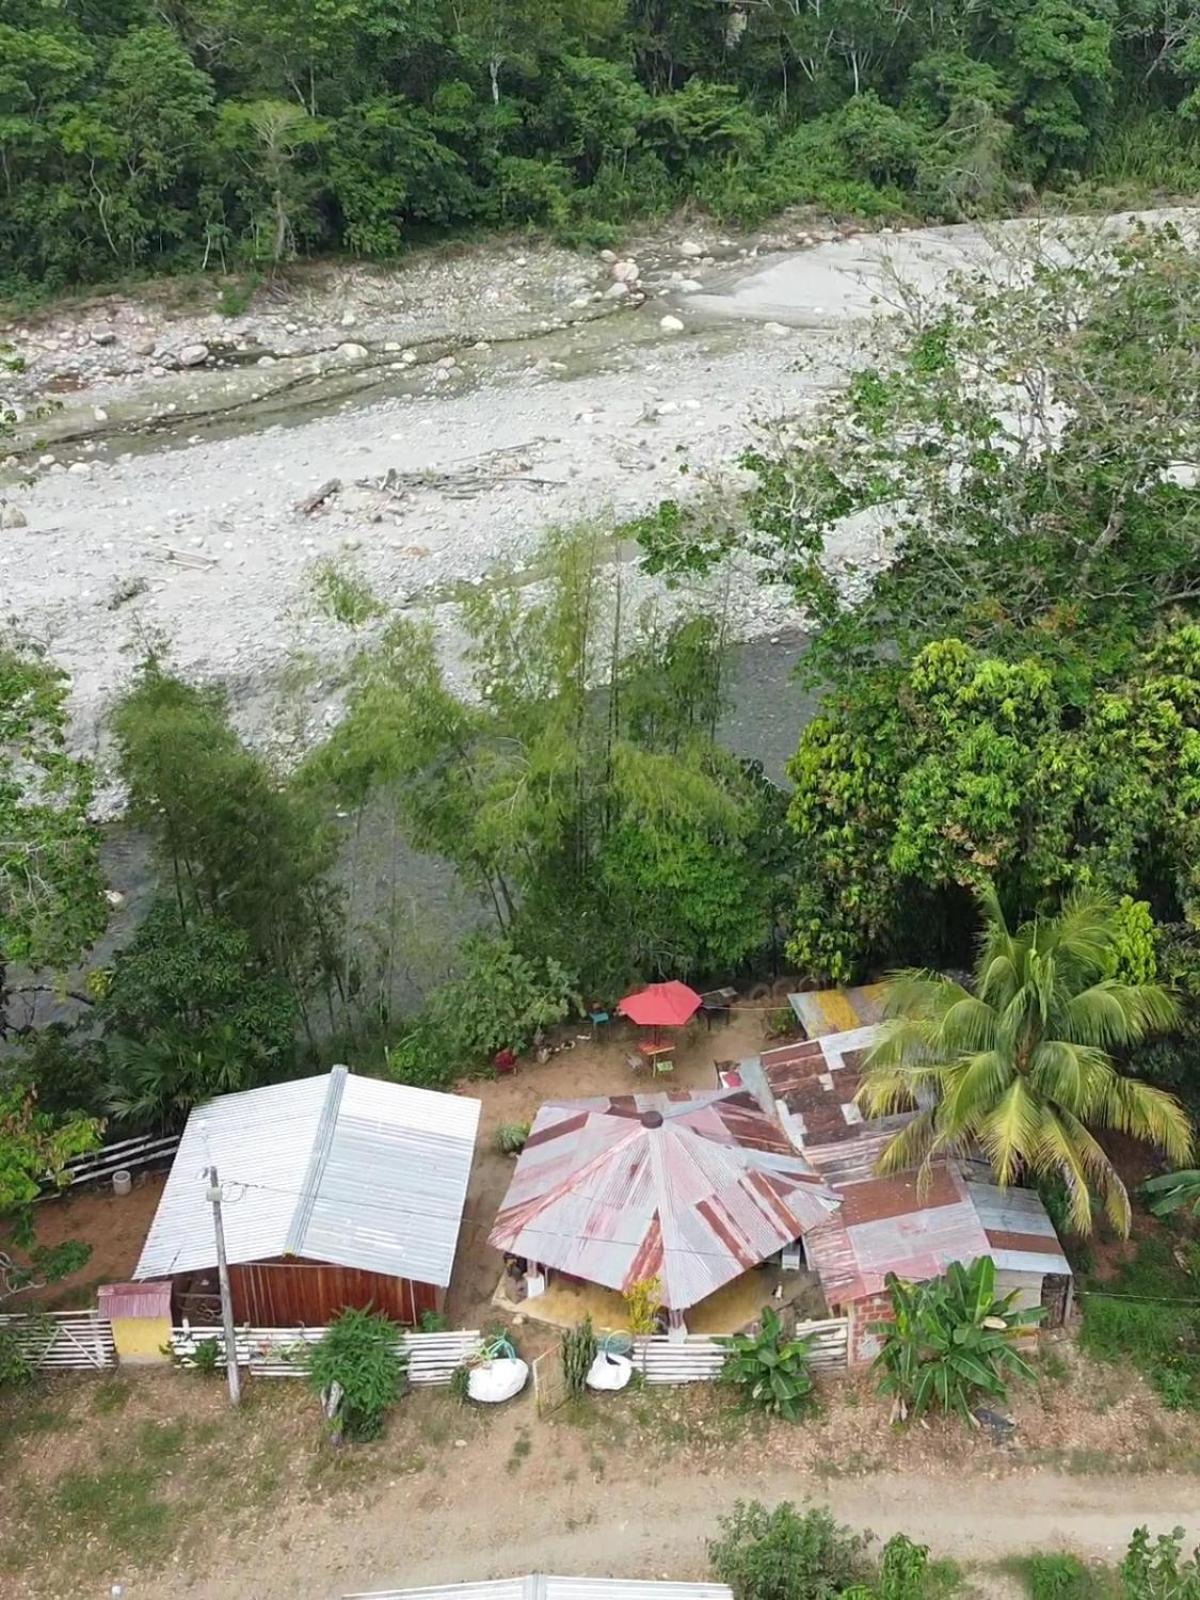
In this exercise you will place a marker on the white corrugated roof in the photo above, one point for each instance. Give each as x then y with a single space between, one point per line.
537 1586
336 1168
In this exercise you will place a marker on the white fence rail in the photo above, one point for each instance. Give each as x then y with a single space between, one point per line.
126 1156
63 1341
699 1359
279 1352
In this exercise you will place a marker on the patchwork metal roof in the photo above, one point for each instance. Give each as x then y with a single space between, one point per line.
888 1225
336 1168
822 1011
537 1586
690 1188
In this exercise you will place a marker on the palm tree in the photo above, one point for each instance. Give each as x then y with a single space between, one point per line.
1018 1065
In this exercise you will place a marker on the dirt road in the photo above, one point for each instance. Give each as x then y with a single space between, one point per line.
659 1528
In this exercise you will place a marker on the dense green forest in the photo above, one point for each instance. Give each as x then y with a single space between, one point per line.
230 133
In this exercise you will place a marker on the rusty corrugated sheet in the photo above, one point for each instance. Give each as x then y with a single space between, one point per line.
695 1202
887 1225
826 1011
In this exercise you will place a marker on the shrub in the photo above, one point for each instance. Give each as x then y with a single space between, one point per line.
359 1354
1157 1570
643 1301
769 1370
1057 1576
16 1368
511 1137
950 1340
577 1348
785 1554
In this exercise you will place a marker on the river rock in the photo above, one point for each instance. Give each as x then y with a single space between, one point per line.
12 517
671 325
689 286
143 347
776 328
691 249
192 355
103 336
100 414
348 319
616 291
352 352
80 468
626 271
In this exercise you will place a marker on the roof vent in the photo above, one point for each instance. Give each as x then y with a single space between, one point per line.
652 1119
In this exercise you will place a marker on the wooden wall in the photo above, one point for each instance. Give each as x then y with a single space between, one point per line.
288 1294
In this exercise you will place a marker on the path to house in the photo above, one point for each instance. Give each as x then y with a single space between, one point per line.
640 1528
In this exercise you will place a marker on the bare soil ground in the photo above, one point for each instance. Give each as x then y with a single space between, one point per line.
152 1482
114 1225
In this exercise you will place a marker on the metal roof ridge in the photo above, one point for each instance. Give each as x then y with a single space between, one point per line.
322 1141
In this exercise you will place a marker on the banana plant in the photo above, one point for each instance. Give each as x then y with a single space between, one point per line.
1174 1191
770 1370
950 1341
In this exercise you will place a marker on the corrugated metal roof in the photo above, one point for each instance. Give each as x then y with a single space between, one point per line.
824 1011
121 1300
336 1168
887 1225
712 1191
540 1587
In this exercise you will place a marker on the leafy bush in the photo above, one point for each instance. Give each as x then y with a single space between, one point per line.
770 1371
1158 1570
949 1341
1056 1575
16 1368
511 1137
501 999
643 1302
577 1349
785 1554
360 1354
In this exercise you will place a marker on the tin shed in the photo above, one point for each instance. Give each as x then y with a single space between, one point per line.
339 1191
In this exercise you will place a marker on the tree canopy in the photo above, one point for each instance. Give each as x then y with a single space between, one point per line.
235 134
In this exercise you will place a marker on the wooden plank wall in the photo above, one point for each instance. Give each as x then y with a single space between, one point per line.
288 1294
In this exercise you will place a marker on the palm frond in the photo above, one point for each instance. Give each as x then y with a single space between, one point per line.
1067 1139
1147 1113
910 1147
1056 1156
1009 1132
1110 1013
886 1090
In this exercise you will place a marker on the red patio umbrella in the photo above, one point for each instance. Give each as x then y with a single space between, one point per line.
661 1005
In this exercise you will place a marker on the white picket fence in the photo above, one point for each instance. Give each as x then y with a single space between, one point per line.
63 1341
699 1359
279 1352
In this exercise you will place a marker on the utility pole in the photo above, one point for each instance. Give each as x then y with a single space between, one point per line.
231 1366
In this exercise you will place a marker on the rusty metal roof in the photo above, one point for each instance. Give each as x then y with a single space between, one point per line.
887 1225
121 1300
690 1188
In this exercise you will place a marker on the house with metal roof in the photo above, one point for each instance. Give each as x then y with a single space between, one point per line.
691 1189
538 1586
339 1190
895 1223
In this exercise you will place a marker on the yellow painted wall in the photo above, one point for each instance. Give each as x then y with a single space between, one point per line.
139 1340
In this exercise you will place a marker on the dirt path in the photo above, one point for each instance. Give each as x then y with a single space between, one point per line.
659 1528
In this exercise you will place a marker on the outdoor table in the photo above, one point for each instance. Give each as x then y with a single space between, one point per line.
658 1054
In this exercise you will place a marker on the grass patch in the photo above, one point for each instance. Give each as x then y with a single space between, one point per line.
111 1395
522 1445
1056 1575
1149 1314
160 1442
121 1510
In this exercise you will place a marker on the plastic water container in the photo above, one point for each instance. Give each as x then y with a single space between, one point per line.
122 1181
